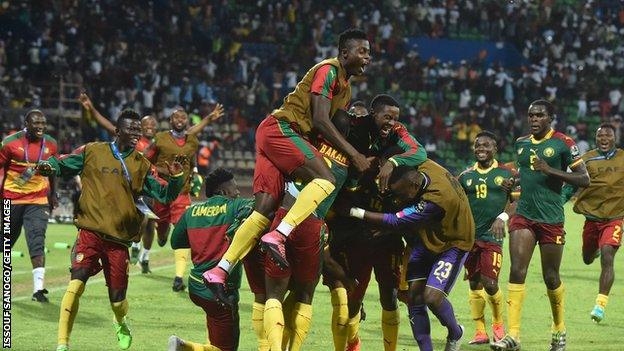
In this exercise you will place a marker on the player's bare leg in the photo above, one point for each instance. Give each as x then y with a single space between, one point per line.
607 276
521 246
320 183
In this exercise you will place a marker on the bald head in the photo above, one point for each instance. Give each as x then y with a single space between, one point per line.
36 124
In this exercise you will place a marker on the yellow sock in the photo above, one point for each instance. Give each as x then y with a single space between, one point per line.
288 308
557 300
194 346
601 300
403 285
181 258
390 321
301 325
476 300
353 326
274 323
120 309
69 310
496 303
340 318
246 237
515 299
257 321
308 200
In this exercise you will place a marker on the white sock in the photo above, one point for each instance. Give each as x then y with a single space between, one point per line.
136 245
225 265
285 228
144 256
38 276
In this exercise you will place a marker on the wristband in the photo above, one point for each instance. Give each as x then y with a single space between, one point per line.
357 212
504 216
195 170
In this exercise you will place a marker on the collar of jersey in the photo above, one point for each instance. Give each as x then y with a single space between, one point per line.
546 137
124 154
484 171
609 154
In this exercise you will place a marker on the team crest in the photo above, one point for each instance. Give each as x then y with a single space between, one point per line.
549 152
469 182
79 257
520 150
498 180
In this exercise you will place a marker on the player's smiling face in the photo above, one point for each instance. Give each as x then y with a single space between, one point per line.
356 56
36 125
605 139
385 118
484 149
539 120
179 120
128 133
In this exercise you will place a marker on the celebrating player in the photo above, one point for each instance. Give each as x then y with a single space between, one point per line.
207 229
483 184
380 135
148 129
113 176
543 157
282 150
439 223
32 195
167 146
602 204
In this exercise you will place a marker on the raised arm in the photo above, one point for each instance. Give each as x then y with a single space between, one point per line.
86 103
212 117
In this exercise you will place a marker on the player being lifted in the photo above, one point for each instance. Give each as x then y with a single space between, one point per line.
167 145
207 229
602 204
113 175
283 150
543 157
437 220
483 184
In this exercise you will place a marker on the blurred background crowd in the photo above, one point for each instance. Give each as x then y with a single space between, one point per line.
155 55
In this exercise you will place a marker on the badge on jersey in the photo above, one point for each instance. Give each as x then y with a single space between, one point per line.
498 180
549 152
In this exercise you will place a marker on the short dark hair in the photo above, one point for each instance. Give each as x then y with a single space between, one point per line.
488 134
400 172
550 108
128 113
350 34
215 178
32 112
607 125
358 103
383 100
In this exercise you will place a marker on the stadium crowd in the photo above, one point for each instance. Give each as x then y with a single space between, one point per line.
156 55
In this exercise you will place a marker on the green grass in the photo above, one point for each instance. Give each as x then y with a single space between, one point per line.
156 312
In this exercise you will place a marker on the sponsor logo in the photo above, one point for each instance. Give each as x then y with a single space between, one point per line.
469 182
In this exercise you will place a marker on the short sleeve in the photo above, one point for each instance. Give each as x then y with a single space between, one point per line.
571 155
324 81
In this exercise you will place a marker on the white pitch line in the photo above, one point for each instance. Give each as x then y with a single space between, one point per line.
90 281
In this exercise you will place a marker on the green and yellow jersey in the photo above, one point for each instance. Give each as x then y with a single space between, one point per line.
107 202
486 196
207 228
540 199
602 200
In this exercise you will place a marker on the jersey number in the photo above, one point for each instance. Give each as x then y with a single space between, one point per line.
497 259
481 190
532 159
443 270
617 233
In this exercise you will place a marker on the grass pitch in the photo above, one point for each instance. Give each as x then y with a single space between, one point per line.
156 311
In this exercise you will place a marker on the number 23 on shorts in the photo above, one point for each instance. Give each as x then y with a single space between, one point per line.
443 270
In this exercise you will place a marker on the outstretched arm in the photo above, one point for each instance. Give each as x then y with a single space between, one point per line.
213 116
418 214
87 104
